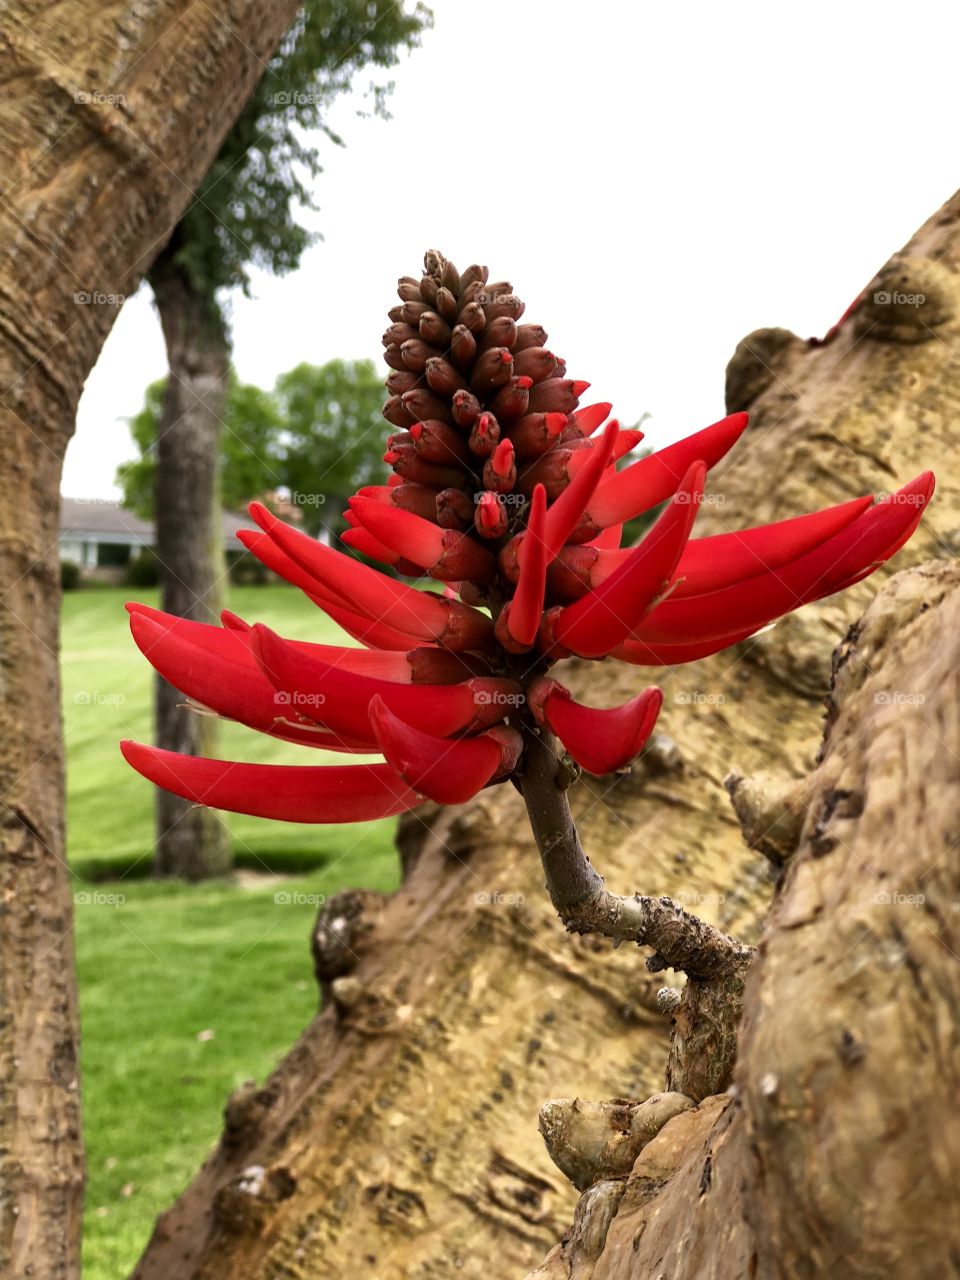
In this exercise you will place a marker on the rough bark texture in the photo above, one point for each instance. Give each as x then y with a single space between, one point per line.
839 1152
398 1138
192 841
111 113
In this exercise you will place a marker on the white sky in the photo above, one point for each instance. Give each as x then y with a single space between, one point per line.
656 181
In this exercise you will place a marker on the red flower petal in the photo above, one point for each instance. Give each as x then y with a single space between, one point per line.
362 589
340 699
290 793
609 613
599 741
565 513
526 607
215 668
746 606
707 564
641 486
449 772
446 554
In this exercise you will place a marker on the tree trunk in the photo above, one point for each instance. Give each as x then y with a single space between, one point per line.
112 113
399 1137
192 842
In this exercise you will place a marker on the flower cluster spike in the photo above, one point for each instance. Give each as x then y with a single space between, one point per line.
507 492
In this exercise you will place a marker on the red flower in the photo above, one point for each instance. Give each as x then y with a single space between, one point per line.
508 493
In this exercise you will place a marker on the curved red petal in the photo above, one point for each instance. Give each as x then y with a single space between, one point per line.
637 488
289 793
862 546
565 512
605 616
526 607
707 564
600 741
215 668
447 771
340 699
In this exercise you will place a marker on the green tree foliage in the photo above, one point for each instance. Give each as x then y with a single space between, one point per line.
317 436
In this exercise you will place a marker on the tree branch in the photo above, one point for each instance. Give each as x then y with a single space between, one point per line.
680 941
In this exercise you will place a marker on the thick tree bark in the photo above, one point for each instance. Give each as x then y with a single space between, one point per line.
399 1136
192 842
112 113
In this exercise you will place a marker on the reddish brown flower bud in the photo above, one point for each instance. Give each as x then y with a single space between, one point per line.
536 362
418 498
397 334
454 509
424 404
492 370
394 359
465 408
503 304
500 469
407 463
510 402
411 313
556 395
415 353
442 377
485 435
401 380
473 317
463 347
395 314
434 329
450 277
429 288
447 305
396 414
439 442
501 332
474 274
535 433
408 289
529 335
491 516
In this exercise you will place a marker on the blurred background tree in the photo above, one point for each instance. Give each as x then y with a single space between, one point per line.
316 437
248 213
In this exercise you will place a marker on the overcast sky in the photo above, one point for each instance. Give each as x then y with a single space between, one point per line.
655 181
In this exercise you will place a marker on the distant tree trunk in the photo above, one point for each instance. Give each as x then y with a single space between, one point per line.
192 841
112 113
399 1137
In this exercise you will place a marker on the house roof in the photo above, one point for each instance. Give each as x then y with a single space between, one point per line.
100 520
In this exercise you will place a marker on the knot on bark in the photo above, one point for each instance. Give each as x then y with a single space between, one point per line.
907 301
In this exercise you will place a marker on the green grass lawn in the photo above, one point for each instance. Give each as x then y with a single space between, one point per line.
185 990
